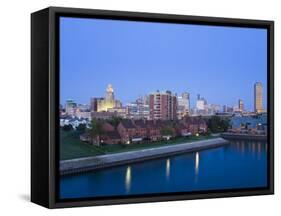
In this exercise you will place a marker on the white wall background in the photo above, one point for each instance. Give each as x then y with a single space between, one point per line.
15 106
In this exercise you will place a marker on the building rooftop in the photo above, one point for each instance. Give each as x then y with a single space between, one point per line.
128 124
140 123
112 135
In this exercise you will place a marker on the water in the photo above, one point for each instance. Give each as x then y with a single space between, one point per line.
241 164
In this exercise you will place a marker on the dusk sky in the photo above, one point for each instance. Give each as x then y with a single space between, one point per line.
219 63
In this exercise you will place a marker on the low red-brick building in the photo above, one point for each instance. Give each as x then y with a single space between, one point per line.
182 130
141 128
111 137
127 130
154 129
106 127
108 136
195 125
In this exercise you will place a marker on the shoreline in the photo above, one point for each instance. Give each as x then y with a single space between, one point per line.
74 166
237 136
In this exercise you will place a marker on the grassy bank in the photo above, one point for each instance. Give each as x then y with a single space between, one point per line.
71 147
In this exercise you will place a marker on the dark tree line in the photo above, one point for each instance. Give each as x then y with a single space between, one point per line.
217 124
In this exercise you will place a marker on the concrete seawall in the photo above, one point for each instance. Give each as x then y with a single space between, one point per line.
103 161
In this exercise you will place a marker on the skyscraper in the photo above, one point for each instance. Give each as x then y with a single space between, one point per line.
200 103
108 102
258 97
70 107
109 93
94 104
183 105
240 105
163 105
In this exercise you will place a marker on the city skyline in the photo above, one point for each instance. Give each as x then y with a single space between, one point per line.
234 57
239 104
103 102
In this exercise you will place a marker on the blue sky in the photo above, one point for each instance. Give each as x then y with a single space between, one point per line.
219 63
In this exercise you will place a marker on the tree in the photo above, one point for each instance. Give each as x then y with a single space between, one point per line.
115 120
167 131
96 130
67 127
225 124
81 127
217 124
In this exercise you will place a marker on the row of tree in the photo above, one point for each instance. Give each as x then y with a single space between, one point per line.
217 124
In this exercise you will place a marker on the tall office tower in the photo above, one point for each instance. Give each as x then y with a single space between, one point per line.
163 105
200 104
70 107
109 93
183 105
186 97
240 105
109 102
258 97
224 108
146 99
94 104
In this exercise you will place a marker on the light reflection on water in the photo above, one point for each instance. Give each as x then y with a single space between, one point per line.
128 179
197 158
259 150
243 147
196 163
255 148
240 164
168 168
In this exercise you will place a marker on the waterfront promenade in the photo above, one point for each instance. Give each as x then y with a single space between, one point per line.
103 161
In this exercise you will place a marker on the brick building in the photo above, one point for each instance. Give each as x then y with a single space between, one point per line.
163 106
130 131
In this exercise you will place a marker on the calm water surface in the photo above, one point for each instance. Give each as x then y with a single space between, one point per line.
241 164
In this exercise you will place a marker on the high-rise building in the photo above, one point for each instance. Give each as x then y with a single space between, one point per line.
108 101
183 105
200 103
109 93
146 99
163 105
70 107
240 105
94 104
138 110
227 109
258 97
236 108
213 108
118 104
224 108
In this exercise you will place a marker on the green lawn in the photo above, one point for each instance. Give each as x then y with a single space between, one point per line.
71 146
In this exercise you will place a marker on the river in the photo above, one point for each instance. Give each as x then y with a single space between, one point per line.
240 164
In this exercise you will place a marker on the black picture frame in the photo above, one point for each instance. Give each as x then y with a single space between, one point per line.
45 103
